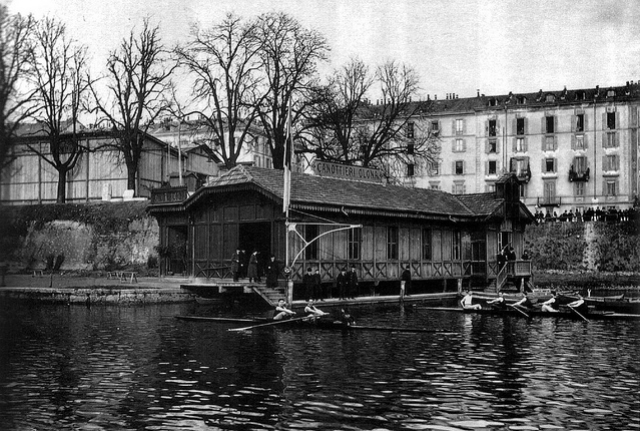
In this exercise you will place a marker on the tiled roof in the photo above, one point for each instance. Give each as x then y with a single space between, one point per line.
313 190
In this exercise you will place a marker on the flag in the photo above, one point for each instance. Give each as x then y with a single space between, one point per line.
288 150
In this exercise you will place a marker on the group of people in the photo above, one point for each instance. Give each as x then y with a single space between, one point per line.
552 305
589 214
252 268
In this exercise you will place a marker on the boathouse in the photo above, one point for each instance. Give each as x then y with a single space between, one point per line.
448 241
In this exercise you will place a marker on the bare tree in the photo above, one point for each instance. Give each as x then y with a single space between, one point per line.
290 54
225 62
60 78
137 80
15 96
391 134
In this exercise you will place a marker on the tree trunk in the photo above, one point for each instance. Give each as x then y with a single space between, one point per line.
61 196
132 170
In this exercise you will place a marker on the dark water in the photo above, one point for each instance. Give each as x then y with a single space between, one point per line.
139 368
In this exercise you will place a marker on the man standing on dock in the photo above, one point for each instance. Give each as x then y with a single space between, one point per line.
405 282
353 283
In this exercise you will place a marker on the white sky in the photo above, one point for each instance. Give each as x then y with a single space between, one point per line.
457 46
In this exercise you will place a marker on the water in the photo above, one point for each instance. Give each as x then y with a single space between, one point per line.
139 368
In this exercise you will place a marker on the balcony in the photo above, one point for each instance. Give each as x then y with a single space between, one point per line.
549 201
575 176
165 195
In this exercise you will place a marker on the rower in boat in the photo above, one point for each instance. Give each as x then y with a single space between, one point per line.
579 305
499 303
312 311
551 305
525 302
346 319
282 311
466 302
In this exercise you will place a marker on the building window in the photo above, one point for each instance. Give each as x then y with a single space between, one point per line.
457 245
549 192
549 124
549 143
520 166
580 123
611 120
410 170
459 126
355 243
493 146
550 98
434 185
426 244
492 127
435 127
311 233
493 167
521 100
433 168
580 165
579 189
611 188
611 93
410 130
411 149
459 167
458 188
579 142
523 191
549 165
392 242
581 95
520 126
611 140
520 148
459 146
490 187
611 162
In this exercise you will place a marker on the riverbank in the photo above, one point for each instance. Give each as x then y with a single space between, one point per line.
587 280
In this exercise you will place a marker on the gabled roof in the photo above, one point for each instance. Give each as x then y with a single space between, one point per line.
312 192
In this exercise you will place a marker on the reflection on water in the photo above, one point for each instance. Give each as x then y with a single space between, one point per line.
139 368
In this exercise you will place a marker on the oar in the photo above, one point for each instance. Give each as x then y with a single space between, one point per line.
519 311
277 322
579 314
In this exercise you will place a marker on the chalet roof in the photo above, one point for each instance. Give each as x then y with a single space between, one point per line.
316 192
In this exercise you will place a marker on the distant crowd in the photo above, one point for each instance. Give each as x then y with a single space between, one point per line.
611 214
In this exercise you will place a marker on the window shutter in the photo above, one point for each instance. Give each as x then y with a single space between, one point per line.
555 143
604 139
453 145
514 126
617 140
574 121
604 163
514 145
634 116
604 121
526 162
585 123
573 142
584 141
464 126
555 124
543 124
486 168
464 145
453 127
616 119
555 165
464 167
617 162
453 168
525 146
526 126
604 187
544 166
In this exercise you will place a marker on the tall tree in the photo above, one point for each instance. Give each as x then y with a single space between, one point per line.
15 95
137 84
60 78
225 62
390 135
290 55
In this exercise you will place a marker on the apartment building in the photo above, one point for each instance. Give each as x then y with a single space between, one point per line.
571 149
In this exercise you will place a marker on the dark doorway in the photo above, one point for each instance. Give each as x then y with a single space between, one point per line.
255 236
177 244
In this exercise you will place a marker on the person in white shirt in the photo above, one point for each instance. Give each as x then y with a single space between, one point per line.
467 302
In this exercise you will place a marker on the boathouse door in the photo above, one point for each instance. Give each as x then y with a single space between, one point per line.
255 236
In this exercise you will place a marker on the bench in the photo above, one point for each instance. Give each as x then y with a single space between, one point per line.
129 276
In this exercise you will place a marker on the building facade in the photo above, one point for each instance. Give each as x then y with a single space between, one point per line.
571 149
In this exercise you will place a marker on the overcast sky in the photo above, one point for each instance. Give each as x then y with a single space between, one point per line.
457 46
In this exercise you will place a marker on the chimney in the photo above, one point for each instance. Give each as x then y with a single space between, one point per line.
435 97
428 97
478 90
456 95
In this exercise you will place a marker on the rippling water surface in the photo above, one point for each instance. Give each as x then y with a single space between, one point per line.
139 368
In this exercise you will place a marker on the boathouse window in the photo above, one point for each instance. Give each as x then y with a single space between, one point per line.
426 244
457 245
392 242
493 127
355 243
311 233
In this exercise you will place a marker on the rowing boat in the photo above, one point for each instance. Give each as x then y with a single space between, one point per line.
319 323
538 313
